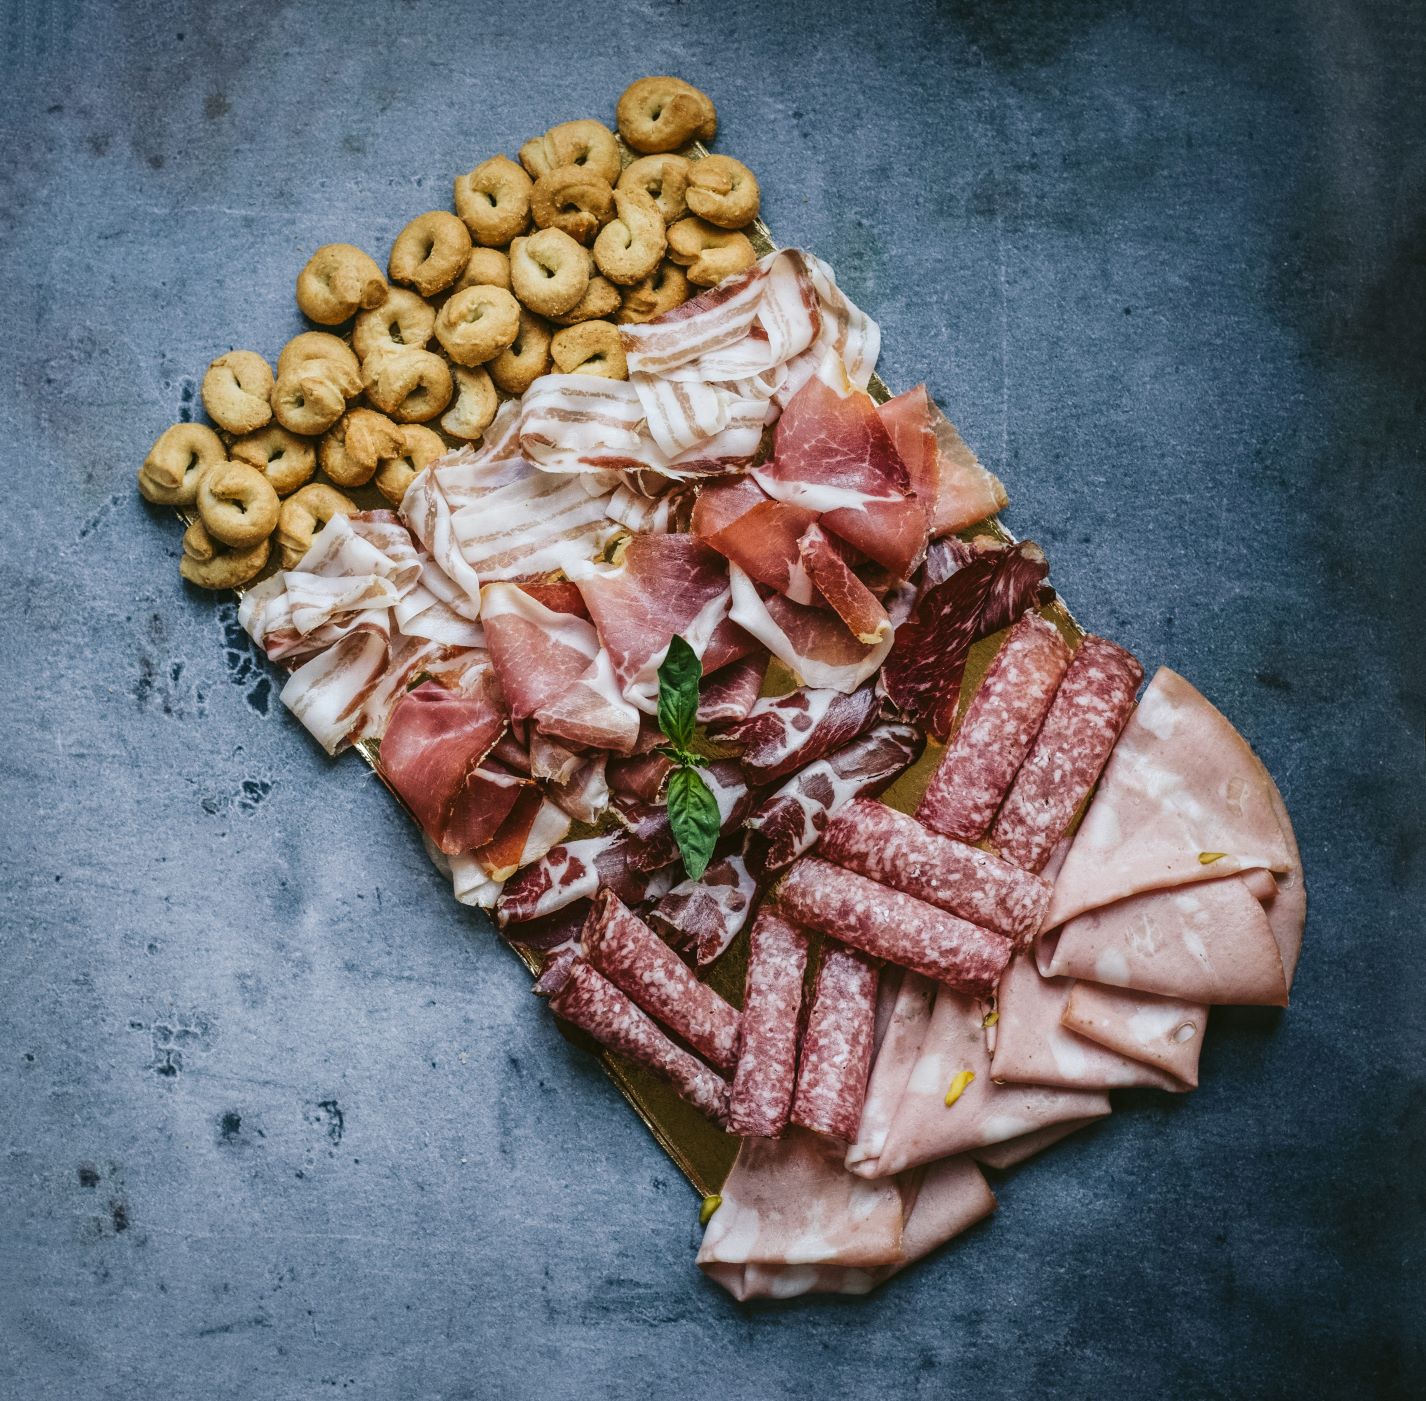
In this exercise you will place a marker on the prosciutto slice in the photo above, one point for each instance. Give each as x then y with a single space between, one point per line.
707 914
841 589
788 732
761 536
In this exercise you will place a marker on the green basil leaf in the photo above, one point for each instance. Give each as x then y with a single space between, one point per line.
693 815
678 692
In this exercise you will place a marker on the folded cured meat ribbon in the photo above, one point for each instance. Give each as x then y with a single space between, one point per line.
1089 710
896 927
1162 1031
997 731
891 847
627 952
772 1005
707 914
589 1001
784 733
836 1047
1013 1151
896 1054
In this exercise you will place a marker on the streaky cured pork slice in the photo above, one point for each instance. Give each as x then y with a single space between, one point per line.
728 695
896 1056
1079 731
788 732
627 952
407 658
329 691
789 821
575 424
761 1099
761 536
707 914
889 846
589 1001
977 590
899 928
1032 1046
841 589
701 429
836 1047
644 515
1163 1031
983 1113
995 735
812 643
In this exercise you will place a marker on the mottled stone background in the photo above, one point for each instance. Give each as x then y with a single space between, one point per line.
279 1120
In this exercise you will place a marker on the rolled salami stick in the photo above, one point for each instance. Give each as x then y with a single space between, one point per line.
772 1007
891 847
893 926
996 733
627 952
1090 709
836 1049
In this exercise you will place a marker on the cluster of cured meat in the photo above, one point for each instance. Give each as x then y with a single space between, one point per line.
926 994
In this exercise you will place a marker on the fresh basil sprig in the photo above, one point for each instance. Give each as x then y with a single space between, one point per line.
692 808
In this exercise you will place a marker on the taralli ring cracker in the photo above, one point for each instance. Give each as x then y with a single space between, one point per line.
355 446
208 564
179 457
476 324
285 459
307 399
662 114
494 201
402 319
664 179
475 404
709 253
409 384
549 271
303 514
338 281
332 353
591 348
420 446
237 390
631 246
237 503
585 143
487 267
723 191
573 199
430 252
663 289
600 300
528 357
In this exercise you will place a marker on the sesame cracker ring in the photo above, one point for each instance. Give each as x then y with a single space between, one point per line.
338 281
516 369
236 390
630 247
494 201
179 457
664 178
402 319
430 252
475 405
585 143
237 504
282 457
663 289
709 253
476 324
420 447
355 445
723 191
303 514
206 563
591 348
573 199
330 352
664 113
549 271
409 384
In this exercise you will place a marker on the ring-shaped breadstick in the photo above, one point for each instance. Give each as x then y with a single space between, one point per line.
475 404
303 514
585 143
549 271
402 319
237 389
475 325
282 457
709 253
663 289
516 369
237 504
338 281
179 457
409 384
420 446
208 565
332 353
353 448
493 200
591 348
600 301
307 399
664 178
663 113
573 199
488 267
723 191
430 252
630 247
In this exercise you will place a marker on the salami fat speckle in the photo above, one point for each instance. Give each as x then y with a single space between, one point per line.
772 1006
896 927
1090 708
999 727
836 1049
888 846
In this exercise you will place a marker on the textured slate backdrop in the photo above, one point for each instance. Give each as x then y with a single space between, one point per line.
278 1120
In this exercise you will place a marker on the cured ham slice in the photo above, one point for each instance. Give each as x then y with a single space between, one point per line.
1162 1031
766 1075
790 821
589 1001
627 952
999 726
761 536
836 1047
844 593
784 733
641 777
898 1049
406 659
888 846
707 914
728 695
1090 707
533 825
584 792
899 928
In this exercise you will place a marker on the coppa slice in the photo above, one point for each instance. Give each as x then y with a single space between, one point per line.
785 733
836 1048
707 914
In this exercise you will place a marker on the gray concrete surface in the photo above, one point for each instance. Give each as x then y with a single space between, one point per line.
278 1120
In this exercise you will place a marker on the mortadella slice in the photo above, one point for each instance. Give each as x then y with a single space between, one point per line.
836 1047
896 1056
1162 1031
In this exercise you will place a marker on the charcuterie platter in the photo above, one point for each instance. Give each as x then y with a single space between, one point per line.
705 667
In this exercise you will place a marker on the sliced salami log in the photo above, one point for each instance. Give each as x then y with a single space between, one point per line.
1000 725
899 928
1090 708
627 952
772 1007
836 1048
589 1001
889 846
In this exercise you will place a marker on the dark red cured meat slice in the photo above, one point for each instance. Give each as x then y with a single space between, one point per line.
706 915
996 732
728 695
589 1001
651 841
898 928
924 668
641 777
627 952
785 733
551 932
836 1048
772 1006
744 524
1090 709
850 599
888 846
572 871
559 597
790 821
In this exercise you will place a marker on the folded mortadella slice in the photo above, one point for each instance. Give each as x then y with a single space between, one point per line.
1015 1151
889 925
1090 707
1162 1031
837 1045
997 731
896 1055
892 847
